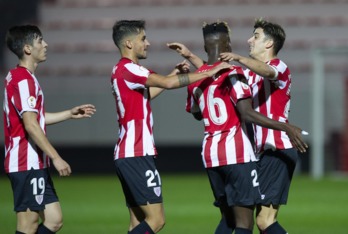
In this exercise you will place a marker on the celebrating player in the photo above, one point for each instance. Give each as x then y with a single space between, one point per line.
133 86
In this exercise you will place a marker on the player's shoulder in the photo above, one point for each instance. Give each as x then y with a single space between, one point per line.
278 63
18 74
236 70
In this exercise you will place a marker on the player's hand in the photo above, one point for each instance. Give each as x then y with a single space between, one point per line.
295 135
229 56
183 67
218 68
180 48
83 111
61 166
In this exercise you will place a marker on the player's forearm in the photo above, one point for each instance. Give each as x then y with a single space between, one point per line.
195 60
263 121
37 135
155 91
258 67
53 118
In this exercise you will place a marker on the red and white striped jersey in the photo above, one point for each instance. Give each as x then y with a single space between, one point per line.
225 141
133 108
22 93
271 97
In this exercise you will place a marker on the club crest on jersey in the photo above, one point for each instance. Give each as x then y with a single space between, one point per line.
157 191
39 199
32 102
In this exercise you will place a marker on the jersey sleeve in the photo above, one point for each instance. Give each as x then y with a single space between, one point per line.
190 102
282 73
238 89
135 76
25 96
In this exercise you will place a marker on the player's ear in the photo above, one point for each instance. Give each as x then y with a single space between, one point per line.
128 44
27 49
269 43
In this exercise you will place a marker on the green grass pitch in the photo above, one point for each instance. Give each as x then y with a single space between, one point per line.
95 204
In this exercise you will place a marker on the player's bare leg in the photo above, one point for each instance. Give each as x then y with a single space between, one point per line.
52 218
266 219
244 219
151 215
27 221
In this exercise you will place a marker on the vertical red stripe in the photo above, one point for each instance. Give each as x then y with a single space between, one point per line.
222 148
207 148
23 155
138 137
239 146
278 140
122 143
263 108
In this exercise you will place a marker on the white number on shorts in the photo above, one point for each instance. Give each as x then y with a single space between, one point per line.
150 180
254 175
38 183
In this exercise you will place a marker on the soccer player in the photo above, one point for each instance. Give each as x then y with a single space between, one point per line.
27 150
133 87
223 102
270 81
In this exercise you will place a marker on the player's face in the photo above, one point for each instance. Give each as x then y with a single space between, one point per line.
140 44
39 50
257 44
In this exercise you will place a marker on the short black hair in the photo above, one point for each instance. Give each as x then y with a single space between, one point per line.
124 28
214 28
19 36
273 31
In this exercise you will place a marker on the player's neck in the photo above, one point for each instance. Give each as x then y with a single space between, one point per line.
133 58
213 58
28 65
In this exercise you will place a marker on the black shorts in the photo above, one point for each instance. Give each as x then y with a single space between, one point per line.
275 169
32 189
234 185
140 180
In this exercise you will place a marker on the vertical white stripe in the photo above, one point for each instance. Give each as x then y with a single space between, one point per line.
32 160
267 88
119 102
129 147
204 144
13 162
146 133
231 147
214 149
248 148
24 92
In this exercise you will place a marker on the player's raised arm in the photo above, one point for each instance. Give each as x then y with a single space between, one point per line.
259 67
181 80
186 53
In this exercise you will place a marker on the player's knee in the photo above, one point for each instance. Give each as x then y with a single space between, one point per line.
263 222
157 224
160 222
55 225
